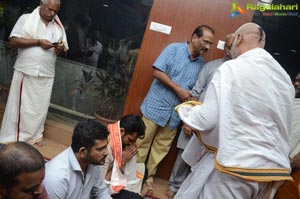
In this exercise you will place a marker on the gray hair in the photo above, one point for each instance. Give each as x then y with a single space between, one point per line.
46 1
228 36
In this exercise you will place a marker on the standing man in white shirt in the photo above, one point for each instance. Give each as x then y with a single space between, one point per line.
76 173
39 37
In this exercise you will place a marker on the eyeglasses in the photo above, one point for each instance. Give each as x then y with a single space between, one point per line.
205 42
261 34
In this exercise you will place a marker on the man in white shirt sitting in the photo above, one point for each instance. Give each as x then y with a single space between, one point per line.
76 173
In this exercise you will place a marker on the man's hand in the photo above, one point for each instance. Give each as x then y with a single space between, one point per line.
193 98
128 153
295 162
59 48
45 44
187 130
183 95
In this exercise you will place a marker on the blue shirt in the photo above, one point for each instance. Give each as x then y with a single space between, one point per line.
159 103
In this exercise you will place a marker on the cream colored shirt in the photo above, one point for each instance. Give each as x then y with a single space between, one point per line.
36 61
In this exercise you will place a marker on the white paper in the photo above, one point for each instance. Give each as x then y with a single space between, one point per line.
221 44
160 28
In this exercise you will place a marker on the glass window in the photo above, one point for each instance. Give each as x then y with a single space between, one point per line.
282 28
104 37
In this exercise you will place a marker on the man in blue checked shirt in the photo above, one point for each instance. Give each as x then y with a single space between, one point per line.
175 73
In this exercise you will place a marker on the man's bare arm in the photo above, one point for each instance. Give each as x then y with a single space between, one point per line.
165 79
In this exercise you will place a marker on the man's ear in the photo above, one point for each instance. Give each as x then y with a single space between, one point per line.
82 151
122 130
239 40
194 36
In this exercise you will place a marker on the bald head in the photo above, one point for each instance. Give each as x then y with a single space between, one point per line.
17 158
254 31
247 37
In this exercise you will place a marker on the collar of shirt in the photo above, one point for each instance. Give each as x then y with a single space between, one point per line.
189 54
75 164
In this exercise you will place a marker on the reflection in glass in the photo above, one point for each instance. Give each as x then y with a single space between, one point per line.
104 38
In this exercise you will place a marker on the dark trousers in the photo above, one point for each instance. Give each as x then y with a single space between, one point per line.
124 194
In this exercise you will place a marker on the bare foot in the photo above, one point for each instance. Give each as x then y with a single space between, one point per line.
148 189
40 143
170 194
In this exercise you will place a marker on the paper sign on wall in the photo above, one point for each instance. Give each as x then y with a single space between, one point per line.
221 45
160 28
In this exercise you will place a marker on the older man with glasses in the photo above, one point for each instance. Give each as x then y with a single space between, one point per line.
175 73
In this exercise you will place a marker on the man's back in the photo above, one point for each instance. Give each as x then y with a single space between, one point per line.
257 99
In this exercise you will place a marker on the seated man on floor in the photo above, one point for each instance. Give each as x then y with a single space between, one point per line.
122 174
22 169
76 172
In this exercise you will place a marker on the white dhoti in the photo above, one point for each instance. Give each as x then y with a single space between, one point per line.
206 182
26 108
